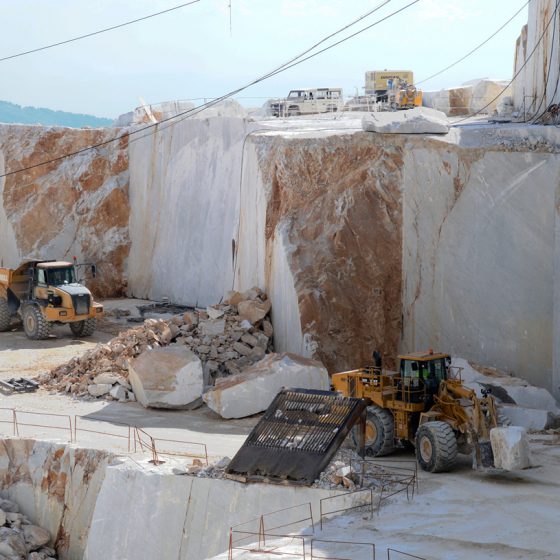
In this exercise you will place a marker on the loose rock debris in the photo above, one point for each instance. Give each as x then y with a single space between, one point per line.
226 337
19 539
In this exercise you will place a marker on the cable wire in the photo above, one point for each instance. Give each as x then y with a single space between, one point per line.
518 72
191 112
45 47
478 47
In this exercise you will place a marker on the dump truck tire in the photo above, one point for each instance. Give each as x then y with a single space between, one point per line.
35 325
380 432
83 328
5 316
436 447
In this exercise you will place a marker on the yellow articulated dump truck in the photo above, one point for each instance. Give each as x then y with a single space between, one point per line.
45 293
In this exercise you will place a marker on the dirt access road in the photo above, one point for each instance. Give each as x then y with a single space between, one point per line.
20 356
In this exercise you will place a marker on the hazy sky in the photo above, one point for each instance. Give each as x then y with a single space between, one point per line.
190 53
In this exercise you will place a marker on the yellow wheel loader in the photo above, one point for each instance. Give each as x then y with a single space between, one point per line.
45 293
425 404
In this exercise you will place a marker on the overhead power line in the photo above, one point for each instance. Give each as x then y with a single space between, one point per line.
517 74
477 47
191 112
45 47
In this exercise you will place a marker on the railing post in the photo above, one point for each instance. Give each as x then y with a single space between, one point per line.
16 429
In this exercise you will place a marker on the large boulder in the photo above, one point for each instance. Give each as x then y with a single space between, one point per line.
252 390
510 448
521 403
420 120
169 377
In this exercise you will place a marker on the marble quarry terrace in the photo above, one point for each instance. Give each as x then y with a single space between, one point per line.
238 255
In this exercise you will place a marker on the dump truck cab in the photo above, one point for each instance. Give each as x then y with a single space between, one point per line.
44 293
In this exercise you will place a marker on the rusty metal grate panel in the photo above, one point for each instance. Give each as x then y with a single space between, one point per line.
297 437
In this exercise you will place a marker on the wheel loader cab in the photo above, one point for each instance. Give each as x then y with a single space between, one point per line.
421 375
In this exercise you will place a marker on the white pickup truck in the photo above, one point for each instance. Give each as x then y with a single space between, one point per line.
310 101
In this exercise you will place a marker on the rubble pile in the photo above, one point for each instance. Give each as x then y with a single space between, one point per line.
19 539
347 471
198 469
226 338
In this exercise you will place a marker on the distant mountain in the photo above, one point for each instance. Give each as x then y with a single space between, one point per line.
12 113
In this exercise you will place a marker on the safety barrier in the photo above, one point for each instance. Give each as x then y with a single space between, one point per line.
394 475
324 511
392 551
125 433
169 447
136 438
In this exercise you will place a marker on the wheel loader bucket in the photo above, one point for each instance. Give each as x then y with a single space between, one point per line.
297 437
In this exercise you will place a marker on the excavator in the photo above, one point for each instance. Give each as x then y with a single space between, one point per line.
425 404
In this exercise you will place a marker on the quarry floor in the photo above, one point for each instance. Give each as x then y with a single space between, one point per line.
455 516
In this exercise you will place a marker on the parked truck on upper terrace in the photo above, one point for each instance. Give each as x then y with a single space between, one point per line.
45 293
310 101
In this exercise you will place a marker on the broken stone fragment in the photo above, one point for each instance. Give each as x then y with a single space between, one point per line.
262 339
214 313
253 389
234 298
169 377
252 294
222 463
257 354
118 392
13 545
267 328
249 339
105 379
212 327
99 389
241 348
190 318
35 537
253 310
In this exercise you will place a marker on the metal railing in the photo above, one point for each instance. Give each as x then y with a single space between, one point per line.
136 438
125 434
366 492
390 552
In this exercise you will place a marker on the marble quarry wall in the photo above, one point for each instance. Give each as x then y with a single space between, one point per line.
96 505
363 241
71 207
537 59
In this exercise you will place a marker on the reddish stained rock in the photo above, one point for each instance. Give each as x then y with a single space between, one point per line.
74 206
341 197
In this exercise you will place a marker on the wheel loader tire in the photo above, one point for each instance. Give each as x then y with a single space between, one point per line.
436 447
83 328
36 327
380 432
5 316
